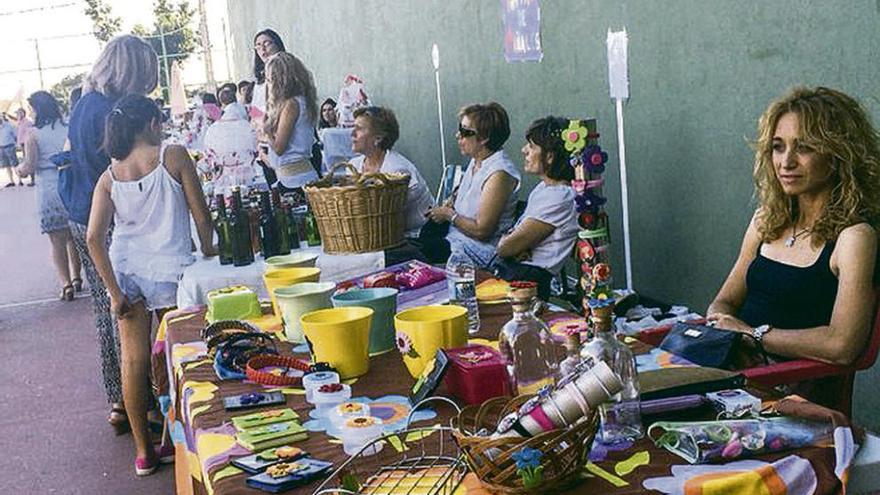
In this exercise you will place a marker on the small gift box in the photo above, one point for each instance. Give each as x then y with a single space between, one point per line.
476 373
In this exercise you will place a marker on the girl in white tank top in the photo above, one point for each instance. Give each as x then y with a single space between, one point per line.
148 193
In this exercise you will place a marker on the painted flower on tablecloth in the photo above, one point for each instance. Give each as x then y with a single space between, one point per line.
791 475
391 409
574 136
405 345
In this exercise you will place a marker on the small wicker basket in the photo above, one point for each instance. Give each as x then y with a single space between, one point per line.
358 213
564 450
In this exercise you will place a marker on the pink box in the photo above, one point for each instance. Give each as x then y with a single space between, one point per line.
476 373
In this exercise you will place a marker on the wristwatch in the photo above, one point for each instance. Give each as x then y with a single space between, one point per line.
759 332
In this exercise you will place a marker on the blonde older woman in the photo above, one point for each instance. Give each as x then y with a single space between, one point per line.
128 65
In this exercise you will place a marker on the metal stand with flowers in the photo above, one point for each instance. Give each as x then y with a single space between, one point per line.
588 161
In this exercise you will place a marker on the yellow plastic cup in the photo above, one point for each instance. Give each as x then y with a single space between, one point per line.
341 337
285 277
423 330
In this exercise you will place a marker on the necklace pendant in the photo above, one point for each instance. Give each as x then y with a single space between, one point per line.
789 242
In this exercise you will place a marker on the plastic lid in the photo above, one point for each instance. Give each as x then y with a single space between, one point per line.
339 394
314 380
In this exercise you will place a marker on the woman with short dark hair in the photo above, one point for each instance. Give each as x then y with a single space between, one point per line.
485 203
544 235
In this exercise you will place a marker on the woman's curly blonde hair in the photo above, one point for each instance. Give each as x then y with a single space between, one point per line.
839 130
288 77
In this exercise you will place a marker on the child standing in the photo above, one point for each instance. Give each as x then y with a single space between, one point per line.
148 192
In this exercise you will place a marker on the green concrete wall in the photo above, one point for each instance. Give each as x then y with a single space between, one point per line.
701 74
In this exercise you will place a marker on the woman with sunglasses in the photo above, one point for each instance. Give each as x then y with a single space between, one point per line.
485 203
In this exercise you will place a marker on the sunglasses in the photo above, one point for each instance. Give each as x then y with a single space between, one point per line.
465 132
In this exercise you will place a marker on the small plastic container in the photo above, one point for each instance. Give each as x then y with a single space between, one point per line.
342 412
359 431
476 373
314 380
326 397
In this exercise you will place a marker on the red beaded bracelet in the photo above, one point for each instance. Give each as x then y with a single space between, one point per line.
256 363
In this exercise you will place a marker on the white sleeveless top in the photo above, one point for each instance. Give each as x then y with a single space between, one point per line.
467 203
151 236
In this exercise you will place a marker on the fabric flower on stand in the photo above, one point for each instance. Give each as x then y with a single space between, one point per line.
574 136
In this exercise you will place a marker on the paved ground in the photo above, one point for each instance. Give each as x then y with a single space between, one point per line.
53 413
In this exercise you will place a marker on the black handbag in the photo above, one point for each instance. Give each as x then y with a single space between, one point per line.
701 344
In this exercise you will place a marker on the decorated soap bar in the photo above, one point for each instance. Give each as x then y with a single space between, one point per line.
232 303
263 418
257 463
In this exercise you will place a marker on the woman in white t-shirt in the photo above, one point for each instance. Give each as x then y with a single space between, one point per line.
543 237
374 134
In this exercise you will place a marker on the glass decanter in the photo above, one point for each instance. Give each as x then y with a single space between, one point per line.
525 343
621 415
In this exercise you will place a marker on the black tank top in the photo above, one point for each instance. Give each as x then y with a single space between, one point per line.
786 296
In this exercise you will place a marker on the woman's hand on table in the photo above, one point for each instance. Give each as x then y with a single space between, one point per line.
441 214
725 321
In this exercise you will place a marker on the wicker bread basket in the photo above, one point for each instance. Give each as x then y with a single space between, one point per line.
564 450
358 213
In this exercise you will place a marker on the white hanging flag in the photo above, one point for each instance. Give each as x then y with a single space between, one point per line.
618 81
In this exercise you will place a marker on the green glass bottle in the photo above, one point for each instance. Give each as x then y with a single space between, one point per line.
224 233
313 236
281 222
268 227
293 226
242 253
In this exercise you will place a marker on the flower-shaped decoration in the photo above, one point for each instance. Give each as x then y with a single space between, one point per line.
253 398
283 469
405 346
594 156
528 466
391 409
271 414
585 250
574 136
351 408
330 388
601 272
361 422
589 202
288 452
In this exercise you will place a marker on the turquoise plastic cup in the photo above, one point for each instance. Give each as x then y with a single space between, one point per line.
383 301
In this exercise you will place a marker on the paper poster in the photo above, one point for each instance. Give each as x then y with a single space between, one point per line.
522 30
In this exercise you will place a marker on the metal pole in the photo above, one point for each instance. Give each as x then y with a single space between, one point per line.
206 46
624 194
165 62
226 49
39 62
435 59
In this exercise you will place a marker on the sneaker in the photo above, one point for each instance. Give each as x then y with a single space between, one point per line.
11 184
145 467
165 453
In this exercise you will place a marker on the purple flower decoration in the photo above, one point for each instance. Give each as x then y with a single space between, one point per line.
589 202
595 158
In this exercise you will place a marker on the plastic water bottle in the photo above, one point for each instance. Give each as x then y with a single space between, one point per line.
461 284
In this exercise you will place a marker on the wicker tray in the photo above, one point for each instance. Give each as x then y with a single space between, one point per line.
565 450
359 213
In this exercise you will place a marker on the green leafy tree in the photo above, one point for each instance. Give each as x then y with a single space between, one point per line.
173 22
104 24
61 90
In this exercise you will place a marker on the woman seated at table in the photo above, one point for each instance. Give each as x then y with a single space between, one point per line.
485 204
544 235
802 285
374 134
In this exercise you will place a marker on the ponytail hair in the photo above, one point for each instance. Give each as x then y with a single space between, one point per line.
130 117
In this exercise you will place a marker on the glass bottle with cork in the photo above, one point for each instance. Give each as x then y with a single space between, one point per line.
621 416
525 343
